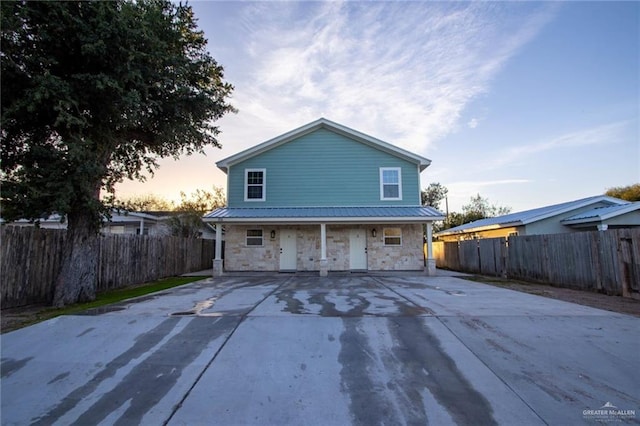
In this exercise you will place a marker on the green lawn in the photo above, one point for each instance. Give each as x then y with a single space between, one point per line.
30 316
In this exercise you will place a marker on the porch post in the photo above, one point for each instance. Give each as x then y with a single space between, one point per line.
431 261
217 261
324 264
141 226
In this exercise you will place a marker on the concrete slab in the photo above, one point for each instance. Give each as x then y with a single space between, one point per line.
302 349
88 370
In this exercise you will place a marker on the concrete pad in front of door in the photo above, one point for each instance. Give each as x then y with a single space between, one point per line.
295 349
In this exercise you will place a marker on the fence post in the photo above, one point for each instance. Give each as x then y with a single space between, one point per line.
596 257
504 252
624 259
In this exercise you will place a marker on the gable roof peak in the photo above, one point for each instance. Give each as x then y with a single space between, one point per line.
329 125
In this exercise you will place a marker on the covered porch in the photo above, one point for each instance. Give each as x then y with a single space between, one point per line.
326 239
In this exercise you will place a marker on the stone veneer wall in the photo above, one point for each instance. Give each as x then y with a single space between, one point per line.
407 257
239 257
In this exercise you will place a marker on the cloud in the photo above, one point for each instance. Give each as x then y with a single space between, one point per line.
606 133
403 72
485 183
461 191
473 123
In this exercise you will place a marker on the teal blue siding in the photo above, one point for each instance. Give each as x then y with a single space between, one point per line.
323 168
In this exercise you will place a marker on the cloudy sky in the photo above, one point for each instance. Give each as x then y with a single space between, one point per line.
527 104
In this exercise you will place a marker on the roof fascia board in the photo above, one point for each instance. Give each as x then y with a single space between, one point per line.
333 220
224 164
478 229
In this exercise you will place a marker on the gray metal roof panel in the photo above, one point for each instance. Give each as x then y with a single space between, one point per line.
604 212
323 212
529 216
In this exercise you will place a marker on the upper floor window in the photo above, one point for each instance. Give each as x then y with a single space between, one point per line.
254 184
390 183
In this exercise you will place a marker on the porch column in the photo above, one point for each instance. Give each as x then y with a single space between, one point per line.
142 226
430 268
324 264
217 261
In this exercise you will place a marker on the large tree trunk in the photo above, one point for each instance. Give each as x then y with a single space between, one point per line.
78 277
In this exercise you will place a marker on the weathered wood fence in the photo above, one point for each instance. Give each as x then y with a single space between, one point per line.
30 260
601 261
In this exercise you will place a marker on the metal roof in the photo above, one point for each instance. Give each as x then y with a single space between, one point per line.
602 213
529 216
330 125
325 214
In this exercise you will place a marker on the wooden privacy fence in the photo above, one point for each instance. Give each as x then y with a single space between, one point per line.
601 261
31 258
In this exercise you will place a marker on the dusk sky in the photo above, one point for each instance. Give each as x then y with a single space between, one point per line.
528 104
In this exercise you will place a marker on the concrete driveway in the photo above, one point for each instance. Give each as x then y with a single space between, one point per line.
305 350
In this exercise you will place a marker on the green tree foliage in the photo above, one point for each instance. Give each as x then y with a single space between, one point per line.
628 193
202 201
188 223
185 218
146 202
93 93
452 220
433 195
477 208
480 208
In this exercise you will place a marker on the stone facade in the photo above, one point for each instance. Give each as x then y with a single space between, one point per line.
240 257
406 257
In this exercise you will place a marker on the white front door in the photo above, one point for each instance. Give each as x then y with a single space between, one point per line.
357 249
288 250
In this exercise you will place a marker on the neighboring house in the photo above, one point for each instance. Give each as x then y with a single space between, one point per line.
152 223
138 223
594 213
324 197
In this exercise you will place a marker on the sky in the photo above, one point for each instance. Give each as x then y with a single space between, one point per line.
525 103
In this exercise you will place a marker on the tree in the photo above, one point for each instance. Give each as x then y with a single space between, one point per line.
479 208
628 193
202 201
147 202
188 223
93 93
433 195
454 219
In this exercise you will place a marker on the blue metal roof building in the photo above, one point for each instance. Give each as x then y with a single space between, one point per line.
595 212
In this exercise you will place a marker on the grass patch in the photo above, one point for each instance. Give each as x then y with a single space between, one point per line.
30 317
490 280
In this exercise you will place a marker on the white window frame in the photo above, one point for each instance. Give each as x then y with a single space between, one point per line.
246 184
247 237
397 169
384 237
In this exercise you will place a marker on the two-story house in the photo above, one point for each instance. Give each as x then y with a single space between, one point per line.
324 197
